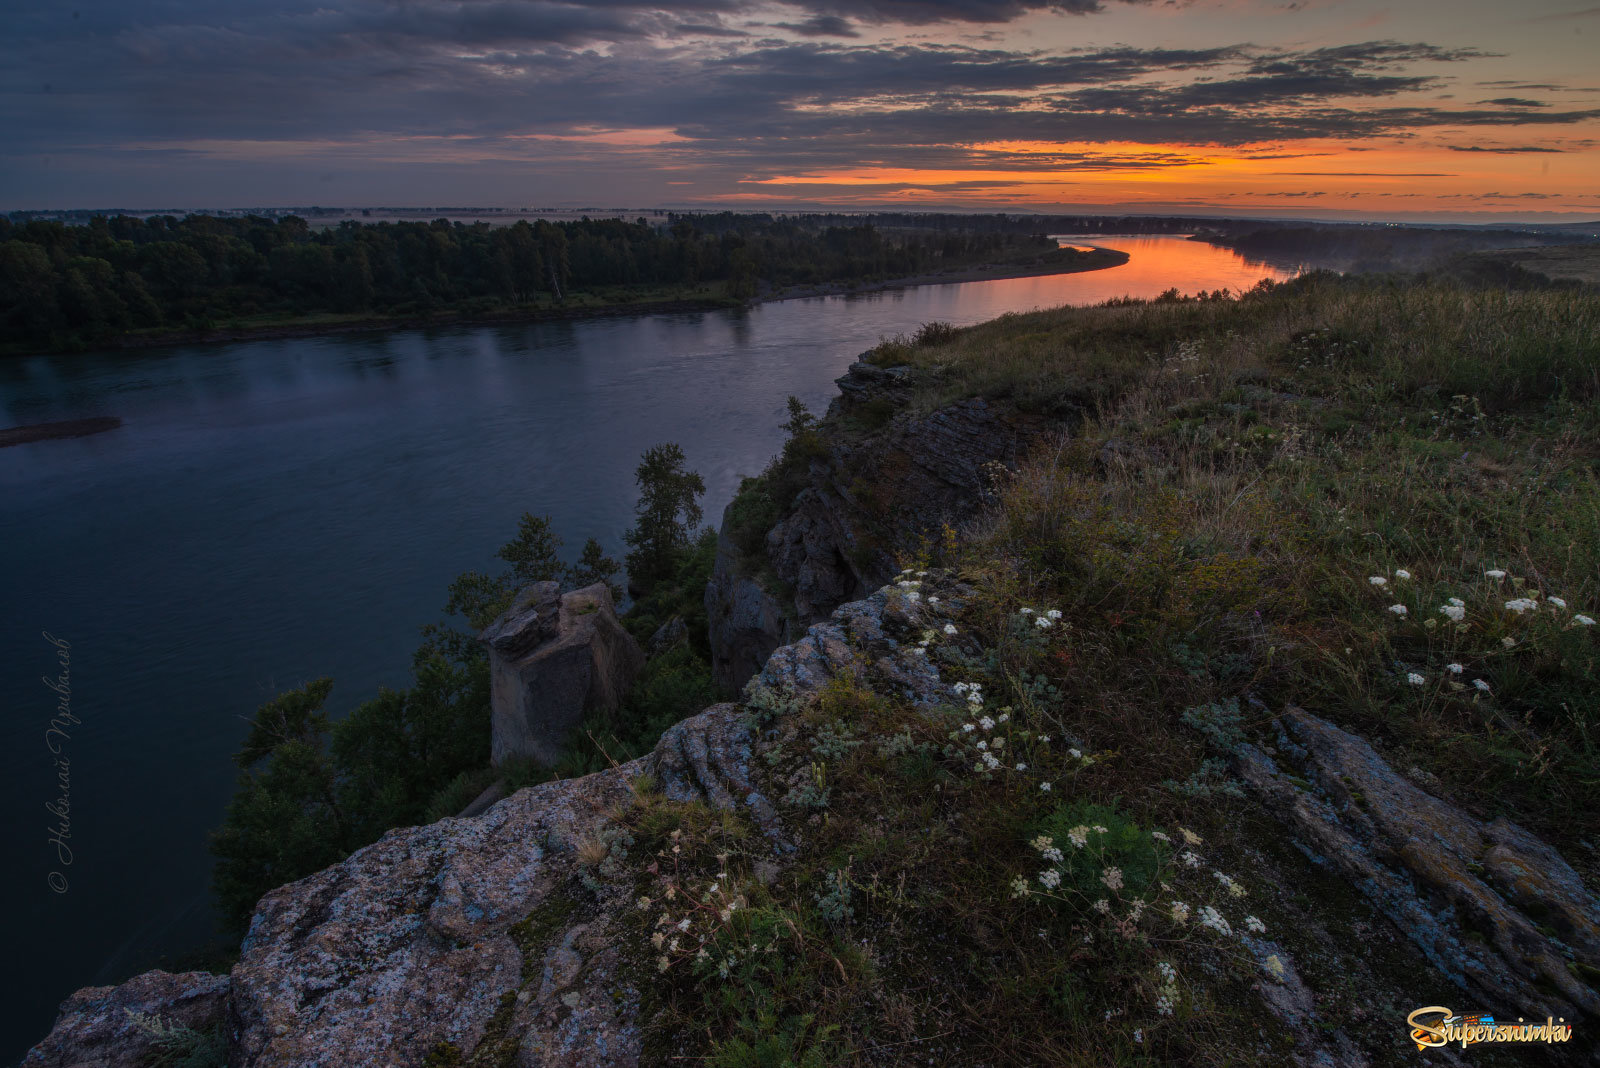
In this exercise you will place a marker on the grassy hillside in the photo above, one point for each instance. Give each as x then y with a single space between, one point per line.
1379 501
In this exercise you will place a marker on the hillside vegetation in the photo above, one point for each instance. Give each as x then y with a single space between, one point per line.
1375 500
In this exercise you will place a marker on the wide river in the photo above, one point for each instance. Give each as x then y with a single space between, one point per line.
273 511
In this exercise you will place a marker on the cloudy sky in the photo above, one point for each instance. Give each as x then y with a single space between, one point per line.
1407 108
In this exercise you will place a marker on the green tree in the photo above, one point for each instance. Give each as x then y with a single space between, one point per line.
595 566
285 820
532 554
666 516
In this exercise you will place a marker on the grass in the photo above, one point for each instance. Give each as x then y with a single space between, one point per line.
1236 475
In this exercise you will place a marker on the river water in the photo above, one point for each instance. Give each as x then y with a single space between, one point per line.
273 511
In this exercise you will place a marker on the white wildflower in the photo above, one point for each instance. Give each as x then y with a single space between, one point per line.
949 628
1557 601
1164 1005
1044 738
1480 684
969 727
1022 767
1378 580
1189 836
1210 917
983 745
1160 836
1025 611
1044 787
1494 573
1112 878
1019 887
1458 602
1054 613
1454 669
1414 679
962 687
1050 878
1075 754
1103 907
1454 612
1189 859
1401 573
933 599
1583 621
1169 974
1508 641
913 595
1254 925
1520 605
986 723
1043 622
1078 836
1398 609
1002 717
1180 912
991 761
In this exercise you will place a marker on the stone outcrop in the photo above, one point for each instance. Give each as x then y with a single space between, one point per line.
876 494
1494 909
485 937
746 622
116 1026
552 658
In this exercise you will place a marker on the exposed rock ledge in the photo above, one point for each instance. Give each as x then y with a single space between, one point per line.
872 495
470 931
487 933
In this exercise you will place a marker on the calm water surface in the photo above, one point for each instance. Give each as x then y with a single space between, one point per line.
273 511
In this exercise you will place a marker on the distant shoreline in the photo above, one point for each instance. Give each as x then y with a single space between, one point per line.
69 428
989 272
1103 258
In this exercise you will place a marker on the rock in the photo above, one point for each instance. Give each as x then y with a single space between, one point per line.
94 1029
746 622
1493 908
874 497
552 658
485 936
671 634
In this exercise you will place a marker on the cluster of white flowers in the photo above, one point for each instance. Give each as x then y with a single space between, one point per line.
1520 605
1112 878
1210 917
1398 609
972 691
1043 620
1254 926
1167 992
1414 679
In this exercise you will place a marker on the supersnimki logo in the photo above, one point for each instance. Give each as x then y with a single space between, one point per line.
1436 1025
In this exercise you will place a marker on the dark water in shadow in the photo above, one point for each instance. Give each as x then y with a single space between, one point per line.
277 510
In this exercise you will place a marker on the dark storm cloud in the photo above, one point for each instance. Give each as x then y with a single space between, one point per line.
1515 102
821 26
1503 149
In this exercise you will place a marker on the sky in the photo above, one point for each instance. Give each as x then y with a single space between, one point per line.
1411 109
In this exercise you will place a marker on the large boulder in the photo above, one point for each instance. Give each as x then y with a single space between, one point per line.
554 657
123 1026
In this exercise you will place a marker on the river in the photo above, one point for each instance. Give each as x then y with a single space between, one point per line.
276 510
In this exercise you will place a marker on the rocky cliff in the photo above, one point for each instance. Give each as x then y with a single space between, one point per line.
892 479
492 939
508 938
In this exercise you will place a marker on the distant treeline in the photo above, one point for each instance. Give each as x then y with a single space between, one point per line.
1374 248
66 286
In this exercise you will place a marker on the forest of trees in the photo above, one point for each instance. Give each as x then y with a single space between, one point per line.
65 286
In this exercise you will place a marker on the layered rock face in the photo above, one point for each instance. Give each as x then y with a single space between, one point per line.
490 940
1497 911
482 939
552 658
873 495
